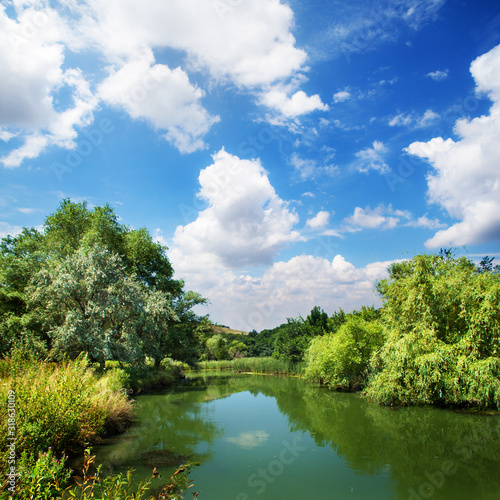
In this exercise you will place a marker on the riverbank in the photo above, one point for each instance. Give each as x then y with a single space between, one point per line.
272 366
53 411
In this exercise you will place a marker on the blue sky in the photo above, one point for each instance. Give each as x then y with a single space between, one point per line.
285 152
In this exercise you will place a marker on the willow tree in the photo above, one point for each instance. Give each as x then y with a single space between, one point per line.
442 316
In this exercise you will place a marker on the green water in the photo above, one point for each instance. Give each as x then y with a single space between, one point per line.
270 438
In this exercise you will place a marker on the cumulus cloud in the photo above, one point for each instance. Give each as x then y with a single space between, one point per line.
465 178
246 223
319 221
438 75
293 287
298 104
31 82
250 47
163 97
372 159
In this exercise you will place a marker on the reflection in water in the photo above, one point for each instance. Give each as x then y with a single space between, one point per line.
249 439
175 421
349 448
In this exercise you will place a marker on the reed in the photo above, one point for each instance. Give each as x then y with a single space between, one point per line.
267 365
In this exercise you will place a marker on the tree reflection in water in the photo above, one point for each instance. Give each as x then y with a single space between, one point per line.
411 445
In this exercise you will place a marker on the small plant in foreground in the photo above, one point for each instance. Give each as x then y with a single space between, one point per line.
43 478
122 487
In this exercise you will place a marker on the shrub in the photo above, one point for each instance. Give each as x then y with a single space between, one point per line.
55 406
342 360
59 408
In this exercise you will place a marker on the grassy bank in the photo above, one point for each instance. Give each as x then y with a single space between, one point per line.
267 365
52 410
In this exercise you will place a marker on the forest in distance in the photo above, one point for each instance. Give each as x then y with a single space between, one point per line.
90 309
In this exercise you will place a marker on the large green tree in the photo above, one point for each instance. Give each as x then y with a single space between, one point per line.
292 339
89 304
442 316
103 260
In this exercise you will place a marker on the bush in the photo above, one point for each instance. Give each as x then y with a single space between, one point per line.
342 360
59 408
55 405
44 478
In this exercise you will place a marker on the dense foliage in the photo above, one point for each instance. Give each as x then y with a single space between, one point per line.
342 359
59 409
442 317
90 284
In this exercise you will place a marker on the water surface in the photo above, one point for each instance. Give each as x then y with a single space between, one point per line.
271 438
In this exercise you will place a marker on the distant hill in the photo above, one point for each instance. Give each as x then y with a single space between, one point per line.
224 329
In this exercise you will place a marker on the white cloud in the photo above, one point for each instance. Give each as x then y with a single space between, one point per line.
401 120
426 223
381 217
438 75
372 159
159 238
365 218
31 80
298 104
465 178
245 223
428 118
309 169
249 45
413 120
6 136
290 288
7 229
162 96
26 211
341 96
319 221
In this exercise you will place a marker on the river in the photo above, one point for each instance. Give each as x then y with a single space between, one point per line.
282 438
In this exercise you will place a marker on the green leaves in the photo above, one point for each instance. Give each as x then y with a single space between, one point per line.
89 283
443 319
342 360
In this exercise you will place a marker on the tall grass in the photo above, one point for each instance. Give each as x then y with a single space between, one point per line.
267 365
58 409
61 408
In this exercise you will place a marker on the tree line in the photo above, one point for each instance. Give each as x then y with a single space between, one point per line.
87 283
